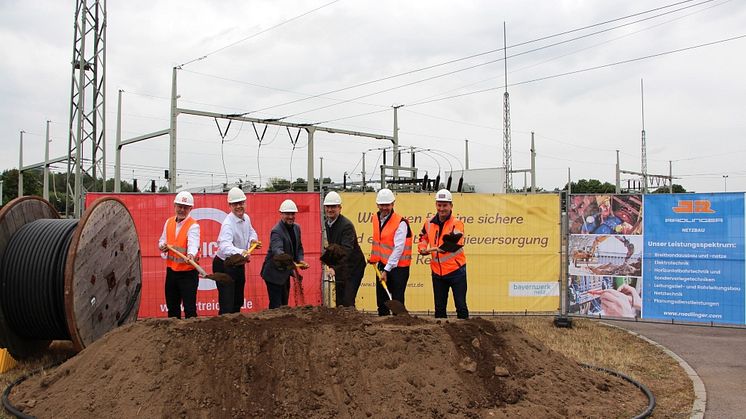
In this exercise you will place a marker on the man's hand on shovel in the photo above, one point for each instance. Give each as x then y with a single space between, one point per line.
395 306
429 250
242 258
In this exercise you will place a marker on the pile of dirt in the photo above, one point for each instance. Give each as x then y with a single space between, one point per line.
323 363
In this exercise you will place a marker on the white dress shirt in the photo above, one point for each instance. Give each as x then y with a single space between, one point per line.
192 236
235 235
400 237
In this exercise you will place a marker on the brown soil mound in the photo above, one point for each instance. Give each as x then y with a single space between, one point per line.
322 363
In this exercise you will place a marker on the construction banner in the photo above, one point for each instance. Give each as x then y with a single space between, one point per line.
512 245
605 255
677 257
694 258
150 212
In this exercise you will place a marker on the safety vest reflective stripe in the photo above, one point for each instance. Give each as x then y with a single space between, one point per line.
179 242
175 258
443 263
449 255
383 241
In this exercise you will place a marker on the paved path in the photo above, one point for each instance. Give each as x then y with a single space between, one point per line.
718 355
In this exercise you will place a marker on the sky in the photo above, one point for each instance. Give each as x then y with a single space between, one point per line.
574 73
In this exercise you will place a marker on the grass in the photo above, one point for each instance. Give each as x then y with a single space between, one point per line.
58 351
593 343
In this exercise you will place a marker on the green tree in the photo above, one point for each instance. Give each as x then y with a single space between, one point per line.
276 184
300 184
32 183
675 187
590 186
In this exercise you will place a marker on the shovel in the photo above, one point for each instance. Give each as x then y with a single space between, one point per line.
217 276
395 306
240 258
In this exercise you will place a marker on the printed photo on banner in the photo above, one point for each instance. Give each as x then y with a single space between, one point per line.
605 214
606 254
612 296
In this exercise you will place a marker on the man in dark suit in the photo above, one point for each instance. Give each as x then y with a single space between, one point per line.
285 250
344 257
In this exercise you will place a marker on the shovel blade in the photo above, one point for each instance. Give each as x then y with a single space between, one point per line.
220 277
397 307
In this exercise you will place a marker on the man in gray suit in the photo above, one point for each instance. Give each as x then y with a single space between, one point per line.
285 250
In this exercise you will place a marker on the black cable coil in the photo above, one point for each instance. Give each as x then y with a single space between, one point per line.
32 279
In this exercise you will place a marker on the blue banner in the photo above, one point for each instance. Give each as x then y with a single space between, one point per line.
693 259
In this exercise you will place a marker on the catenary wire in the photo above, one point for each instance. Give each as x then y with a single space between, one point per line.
200 58
478 55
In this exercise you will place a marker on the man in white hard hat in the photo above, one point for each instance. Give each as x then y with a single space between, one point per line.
344 258
236 235
391 250
182 233
442 237
285 250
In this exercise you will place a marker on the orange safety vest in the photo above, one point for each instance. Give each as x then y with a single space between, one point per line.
442 263
178 242
383 241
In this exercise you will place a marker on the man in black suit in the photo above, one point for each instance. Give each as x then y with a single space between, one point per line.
344 257
285 250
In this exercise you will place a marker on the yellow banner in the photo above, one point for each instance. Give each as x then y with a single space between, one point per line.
512 248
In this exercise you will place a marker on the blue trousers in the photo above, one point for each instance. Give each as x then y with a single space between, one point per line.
397 282
278 294
455 281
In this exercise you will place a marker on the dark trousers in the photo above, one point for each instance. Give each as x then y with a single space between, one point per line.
397 282
456 281
181 287
278 294
230 296
347 284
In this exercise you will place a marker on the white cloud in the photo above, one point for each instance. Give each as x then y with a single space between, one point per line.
694 100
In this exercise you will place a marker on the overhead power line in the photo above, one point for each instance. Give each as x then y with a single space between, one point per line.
490 89
409 72
598 67
258 33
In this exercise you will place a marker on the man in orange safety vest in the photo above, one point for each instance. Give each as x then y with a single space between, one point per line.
442 237
182 233
391 250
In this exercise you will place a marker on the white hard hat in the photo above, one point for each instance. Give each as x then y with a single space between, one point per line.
443 195
333 198
288 206
184 198
385 196
236 195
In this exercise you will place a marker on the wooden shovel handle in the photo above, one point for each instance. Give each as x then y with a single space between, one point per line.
378 271
250 249
380 278
189 261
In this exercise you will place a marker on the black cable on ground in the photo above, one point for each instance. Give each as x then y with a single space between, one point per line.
649 394
33 279
12 409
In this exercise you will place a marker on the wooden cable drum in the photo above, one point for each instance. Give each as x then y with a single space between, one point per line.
66 279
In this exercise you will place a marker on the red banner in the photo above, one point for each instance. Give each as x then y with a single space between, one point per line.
150 212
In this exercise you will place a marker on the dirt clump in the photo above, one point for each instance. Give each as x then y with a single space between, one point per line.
322 363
